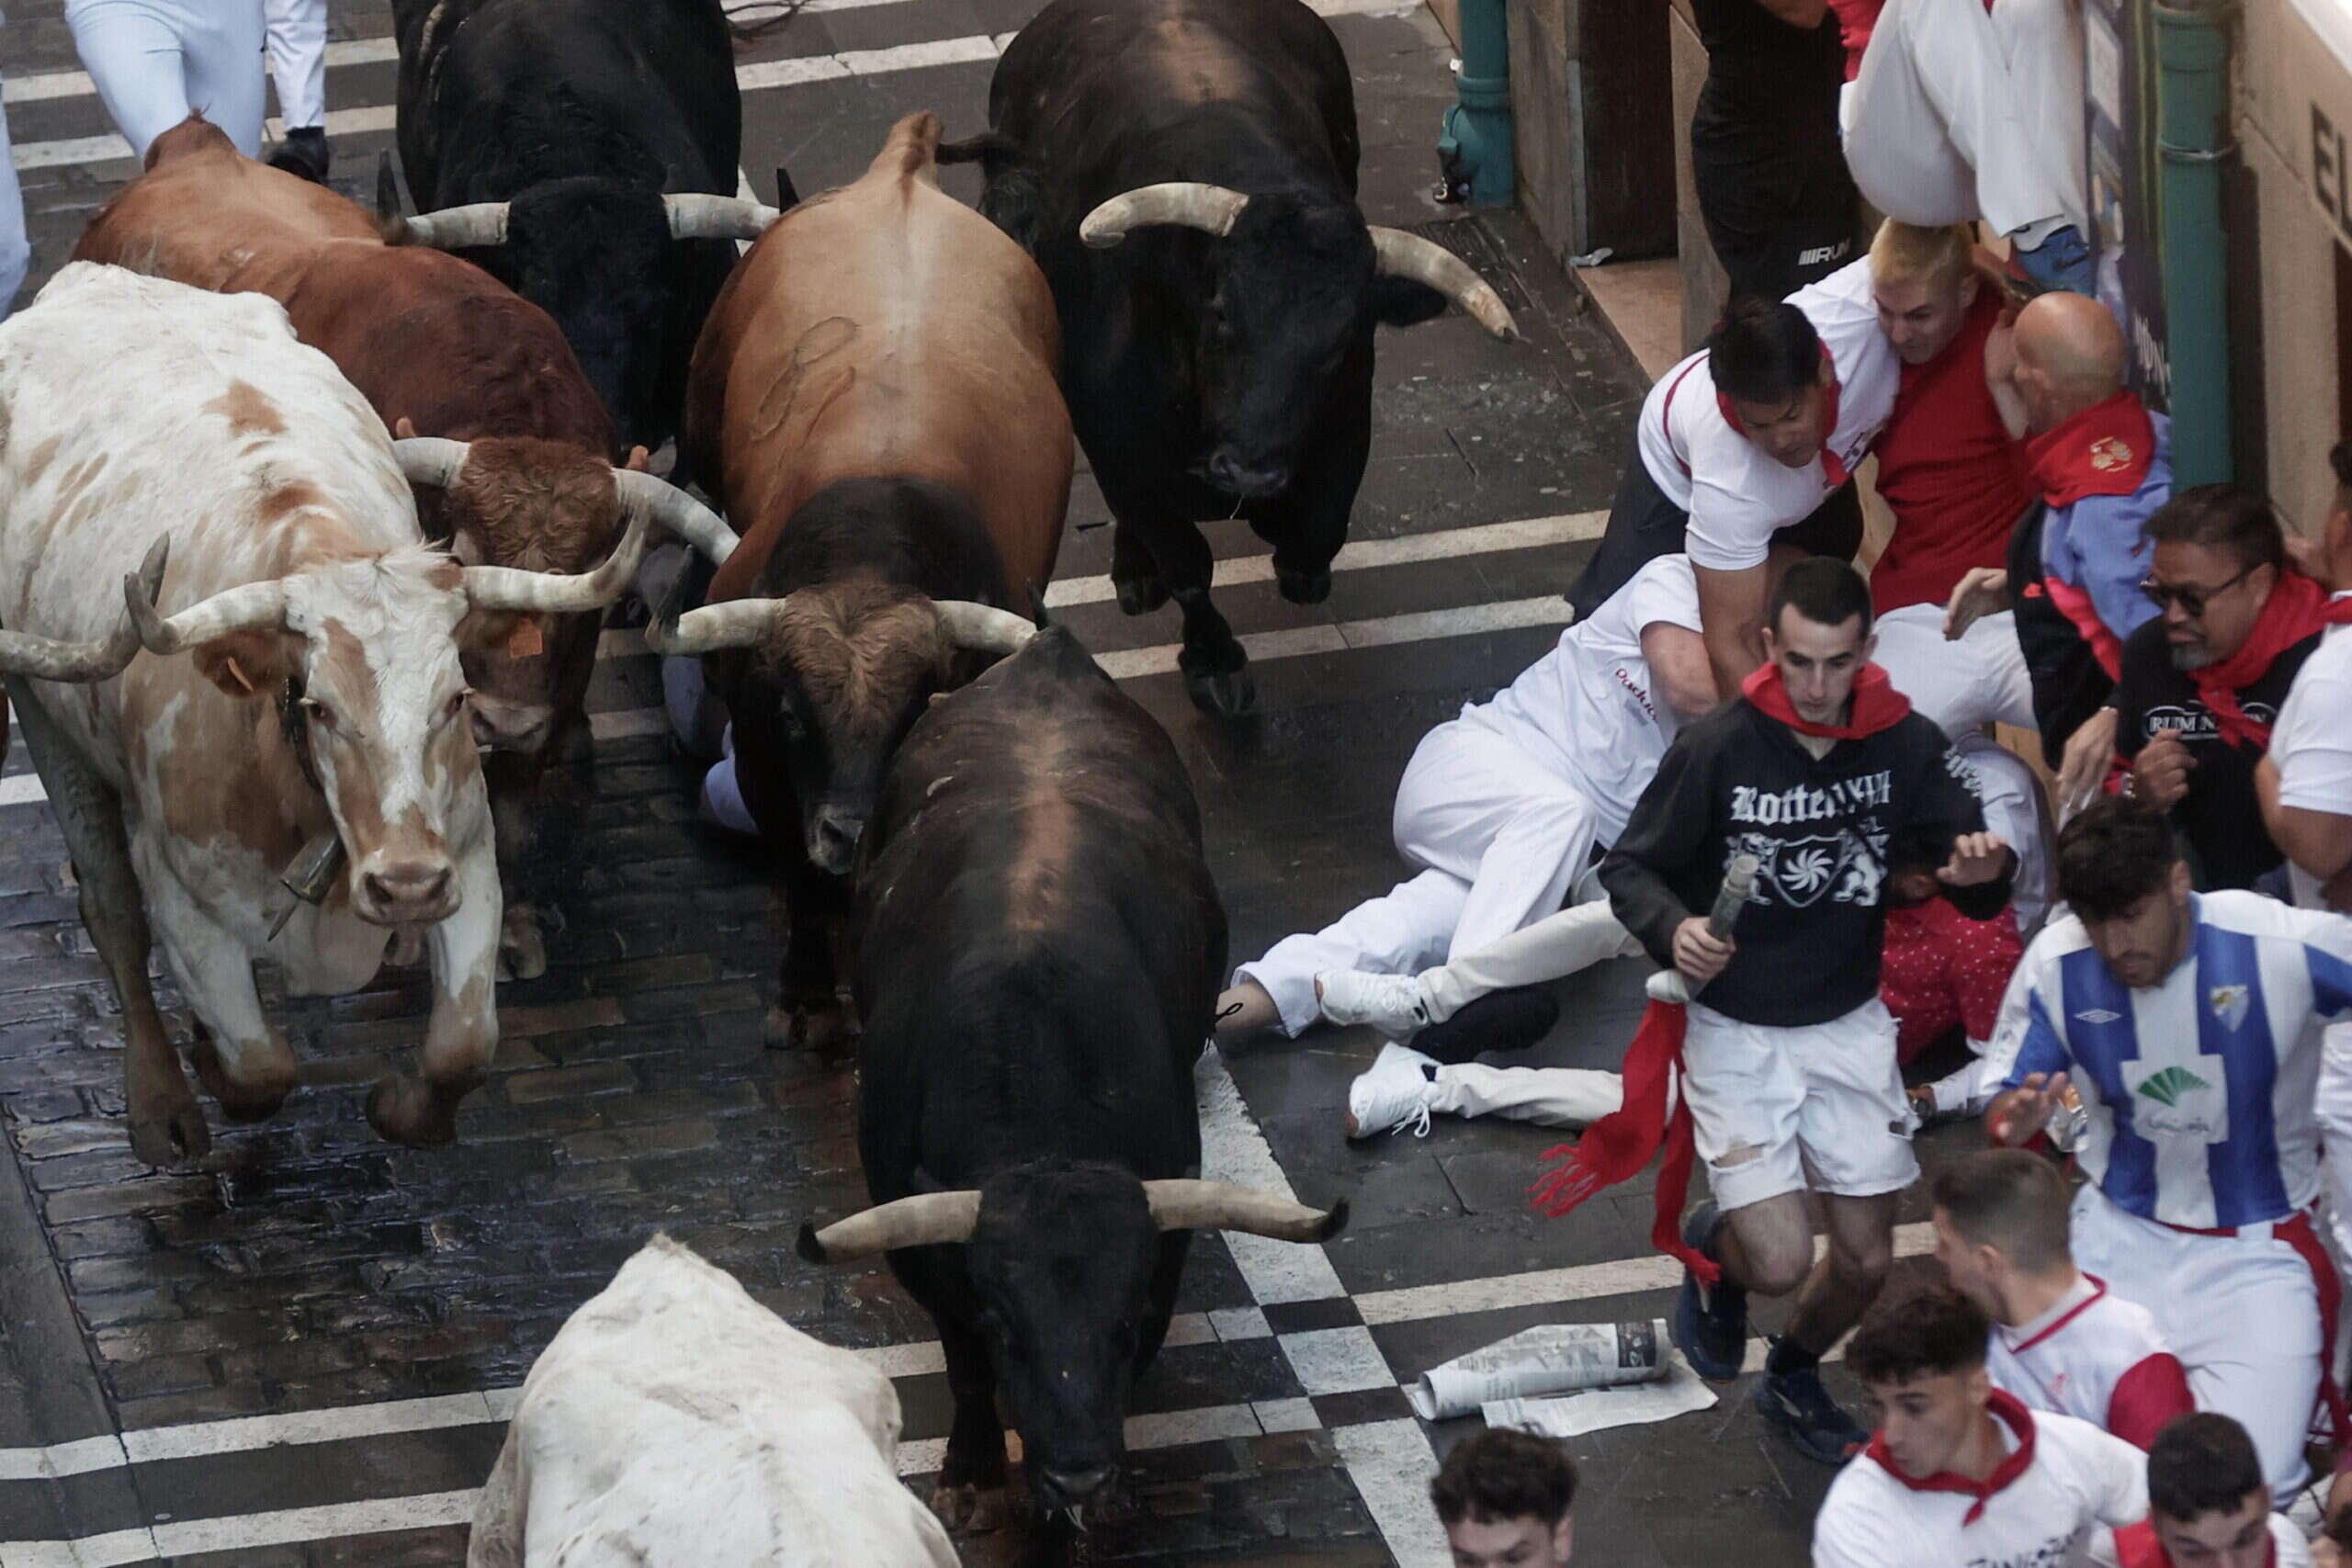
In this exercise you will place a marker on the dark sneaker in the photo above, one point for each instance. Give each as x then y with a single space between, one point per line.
1710 1325
1501 1020
1816 1424
304 151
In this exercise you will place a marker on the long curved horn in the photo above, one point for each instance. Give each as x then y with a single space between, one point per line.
681 514
237 609
927 1219
698 215
430 459
983 628
736 623
1195 206
556 593
463 228
1182 1205
1399 254
46 659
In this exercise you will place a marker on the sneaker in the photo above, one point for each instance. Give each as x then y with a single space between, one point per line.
2063 260
304 151
1710 1327
1501 1020
1392 1094
1816 1425
1390 1003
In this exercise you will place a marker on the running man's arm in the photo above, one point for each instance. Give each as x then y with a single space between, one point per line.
1681 672
1731 608
1949 809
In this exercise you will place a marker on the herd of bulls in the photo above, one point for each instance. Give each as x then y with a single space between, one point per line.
400 464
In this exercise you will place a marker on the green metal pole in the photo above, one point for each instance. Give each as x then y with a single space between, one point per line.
2192 70
1473 144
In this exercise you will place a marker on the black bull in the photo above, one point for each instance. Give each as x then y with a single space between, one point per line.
1040 947
1218 359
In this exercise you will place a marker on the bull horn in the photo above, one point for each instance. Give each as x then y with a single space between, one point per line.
1192 1204
984 628
698 215
46 659
557 594
242 608
476 224
681 514
433 460
1399 254
927 1219
1197 206
736 623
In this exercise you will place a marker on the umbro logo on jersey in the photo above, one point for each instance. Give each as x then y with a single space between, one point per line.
2230 1003
2097 1015
2167 1087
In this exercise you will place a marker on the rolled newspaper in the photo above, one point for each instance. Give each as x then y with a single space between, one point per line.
1555 1358
1739 883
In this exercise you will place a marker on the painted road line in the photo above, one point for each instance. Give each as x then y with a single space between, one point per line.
757 77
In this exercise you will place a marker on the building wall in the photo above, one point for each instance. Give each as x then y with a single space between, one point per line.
1704 285
2285 73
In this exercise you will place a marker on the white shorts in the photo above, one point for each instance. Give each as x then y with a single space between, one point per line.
1771 1106
1977 679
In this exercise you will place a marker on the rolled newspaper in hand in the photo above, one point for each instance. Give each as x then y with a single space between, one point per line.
1739 885
1555 1358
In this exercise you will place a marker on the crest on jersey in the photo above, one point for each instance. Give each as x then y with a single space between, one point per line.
2109 454
2230 1003
2171 1086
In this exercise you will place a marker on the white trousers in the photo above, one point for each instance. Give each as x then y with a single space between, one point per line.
2241 1312
2333 1105
1979 679
16 252
156 61
298 60
1500 835
1957 115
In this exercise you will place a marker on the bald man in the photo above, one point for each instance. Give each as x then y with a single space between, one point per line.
2101 465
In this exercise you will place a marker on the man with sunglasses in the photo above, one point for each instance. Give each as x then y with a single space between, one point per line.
2202 683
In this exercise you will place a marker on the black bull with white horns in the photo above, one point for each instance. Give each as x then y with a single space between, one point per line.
1039 951
1184 171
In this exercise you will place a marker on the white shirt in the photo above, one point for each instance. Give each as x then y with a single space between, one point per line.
1588 705
1738 497
2095 1357
2077 1479
2312 742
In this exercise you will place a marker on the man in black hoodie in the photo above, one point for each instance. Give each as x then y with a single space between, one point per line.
1820 770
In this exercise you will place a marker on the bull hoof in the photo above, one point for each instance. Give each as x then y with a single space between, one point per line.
1140 595
1228 694
168 1127
968 1509
1303 587
237 1102
415 1112
823 1027
521 949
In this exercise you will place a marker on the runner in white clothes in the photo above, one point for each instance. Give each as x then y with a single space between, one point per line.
2061 1341
2207 1506
156 61
16 253
2190 1027
1755 436
1502 808
297 66
1961 1475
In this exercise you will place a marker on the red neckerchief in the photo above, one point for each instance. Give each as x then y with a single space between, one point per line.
2104 450
1833 468
2136 1546
1877 705
2298 607
2004 1408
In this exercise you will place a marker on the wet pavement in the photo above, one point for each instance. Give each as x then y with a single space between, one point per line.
302 1352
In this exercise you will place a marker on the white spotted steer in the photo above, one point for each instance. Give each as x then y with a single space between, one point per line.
323 702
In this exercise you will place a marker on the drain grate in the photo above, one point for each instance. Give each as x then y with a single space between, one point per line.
1471 239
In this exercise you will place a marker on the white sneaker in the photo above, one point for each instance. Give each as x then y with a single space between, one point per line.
1392 1004
1392 1094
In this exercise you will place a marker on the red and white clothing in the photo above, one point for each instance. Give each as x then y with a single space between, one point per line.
2061 1479
1738 498
2139 1548
2095 1357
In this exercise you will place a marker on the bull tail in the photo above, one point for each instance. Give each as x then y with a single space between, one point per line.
988 146
911 151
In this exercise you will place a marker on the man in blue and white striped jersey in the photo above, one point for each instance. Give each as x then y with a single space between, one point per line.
2189 1025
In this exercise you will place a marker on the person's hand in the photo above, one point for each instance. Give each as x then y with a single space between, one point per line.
2089 753
2160 772
1984 591
1976 859
1923 1101
1699 953
2018 1115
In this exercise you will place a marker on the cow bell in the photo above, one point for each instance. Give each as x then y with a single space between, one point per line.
311 874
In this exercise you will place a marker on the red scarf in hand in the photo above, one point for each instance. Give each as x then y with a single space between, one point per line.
1833 466
2298 607
2104 450
1616 1147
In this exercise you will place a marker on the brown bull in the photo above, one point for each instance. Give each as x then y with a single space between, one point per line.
518 451
875 401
